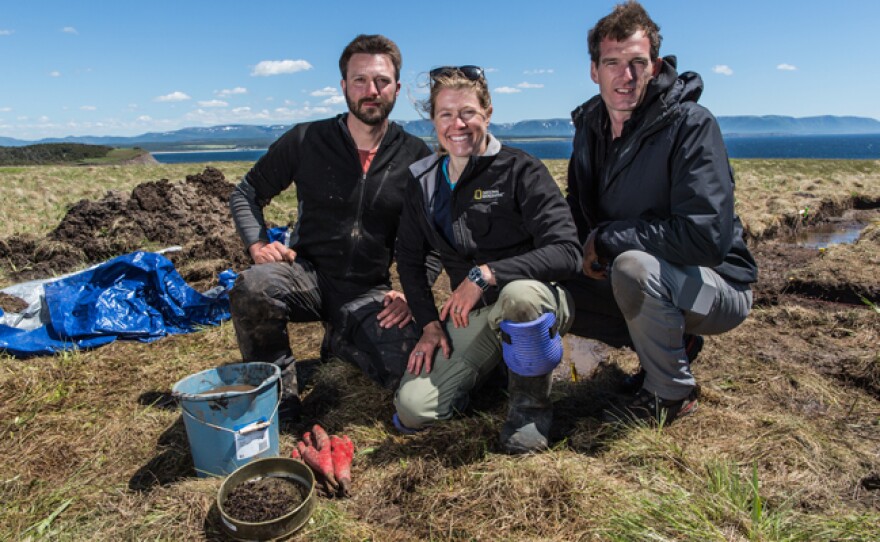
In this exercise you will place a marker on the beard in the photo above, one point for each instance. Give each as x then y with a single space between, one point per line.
372 116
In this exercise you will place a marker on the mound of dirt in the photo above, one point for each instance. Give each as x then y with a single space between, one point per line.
193 214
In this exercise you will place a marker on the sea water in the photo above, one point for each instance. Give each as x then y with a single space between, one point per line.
846 147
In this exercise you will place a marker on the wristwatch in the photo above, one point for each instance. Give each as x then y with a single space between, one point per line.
475 275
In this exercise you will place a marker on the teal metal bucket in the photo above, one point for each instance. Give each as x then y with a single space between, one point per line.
231 415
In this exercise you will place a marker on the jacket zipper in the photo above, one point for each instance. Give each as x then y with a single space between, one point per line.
355 234
636 140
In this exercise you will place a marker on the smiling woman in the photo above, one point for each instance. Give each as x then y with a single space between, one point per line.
505 235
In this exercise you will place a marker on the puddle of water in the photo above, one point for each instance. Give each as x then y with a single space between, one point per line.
828 235
580 358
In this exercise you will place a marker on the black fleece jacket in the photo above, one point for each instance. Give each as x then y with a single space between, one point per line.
507 212
347 220
665 186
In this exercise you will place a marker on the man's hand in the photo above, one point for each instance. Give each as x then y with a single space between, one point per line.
422 357
262 252
594 267
396 311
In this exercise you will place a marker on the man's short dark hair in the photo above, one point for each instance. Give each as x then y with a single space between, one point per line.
626 19
371 44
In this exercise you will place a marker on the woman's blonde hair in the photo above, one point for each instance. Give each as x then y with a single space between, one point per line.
456 80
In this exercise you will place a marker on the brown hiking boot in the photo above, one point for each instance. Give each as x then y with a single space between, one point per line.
649 408
633 383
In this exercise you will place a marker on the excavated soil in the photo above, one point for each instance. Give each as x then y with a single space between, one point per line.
192 214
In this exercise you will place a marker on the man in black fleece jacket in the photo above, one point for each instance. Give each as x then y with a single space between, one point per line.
350 173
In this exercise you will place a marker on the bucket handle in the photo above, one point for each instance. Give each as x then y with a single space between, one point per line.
254 427
244 430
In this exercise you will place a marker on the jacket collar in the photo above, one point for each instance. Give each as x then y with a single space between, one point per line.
663 92
428 163
391 134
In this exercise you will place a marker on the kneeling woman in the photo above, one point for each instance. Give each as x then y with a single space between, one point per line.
505 235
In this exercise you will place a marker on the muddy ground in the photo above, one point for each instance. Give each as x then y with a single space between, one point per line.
193 214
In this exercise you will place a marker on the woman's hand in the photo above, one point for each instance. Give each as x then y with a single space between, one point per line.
463 299
422 357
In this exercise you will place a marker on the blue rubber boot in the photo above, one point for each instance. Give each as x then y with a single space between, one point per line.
531 351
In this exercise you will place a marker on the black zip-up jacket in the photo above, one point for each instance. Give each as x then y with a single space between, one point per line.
665 186
507 212
347 220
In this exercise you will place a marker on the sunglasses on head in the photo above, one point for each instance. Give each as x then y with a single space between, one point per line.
473 73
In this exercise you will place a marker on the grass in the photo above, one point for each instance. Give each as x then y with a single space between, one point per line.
779 449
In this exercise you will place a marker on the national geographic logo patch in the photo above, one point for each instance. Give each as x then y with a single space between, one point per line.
487 195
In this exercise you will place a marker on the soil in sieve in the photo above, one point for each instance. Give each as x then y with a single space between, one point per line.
263 499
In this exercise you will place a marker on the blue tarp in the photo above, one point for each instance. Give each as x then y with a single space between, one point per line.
138 296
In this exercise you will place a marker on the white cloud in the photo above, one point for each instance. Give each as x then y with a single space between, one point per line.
539 71
55 73
69 30
530 85
723 69
507 90
280 115
230 91
5 109
490 70
326 91
145 118
334 100
213 103
6 32
786 67
88 107
175 96
276 67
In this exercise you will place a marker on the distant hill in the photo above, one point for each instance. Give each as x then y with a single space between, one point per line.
249 136
522 129
772 125
69 153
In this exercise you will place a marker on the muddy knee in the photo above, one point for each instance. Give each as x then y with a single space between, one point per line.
416 408
522 300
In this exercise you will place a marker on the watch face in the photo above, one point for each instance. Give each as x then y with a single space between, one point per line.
475 275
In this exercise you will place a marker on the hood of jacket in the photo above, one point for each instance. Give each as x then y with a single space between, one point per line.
662 96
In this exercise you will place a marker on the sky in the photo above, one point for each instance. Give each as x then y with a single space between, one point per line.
121 68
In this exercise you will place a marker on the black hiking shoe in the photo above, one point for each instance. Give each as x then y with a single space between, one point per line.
633 383
649 408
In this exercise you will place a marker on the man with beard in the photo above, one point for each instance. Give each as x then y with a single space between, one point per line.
349 173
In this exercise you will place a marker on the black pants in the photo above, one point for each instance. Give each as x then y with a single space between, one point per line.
597 315
268 296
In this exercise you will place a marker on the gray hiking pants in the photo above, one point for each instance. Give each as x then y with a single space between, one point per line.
476 350
268 296
655 303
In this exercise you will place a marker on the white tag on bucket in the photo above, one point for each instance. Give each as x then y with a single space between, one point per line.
251 439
